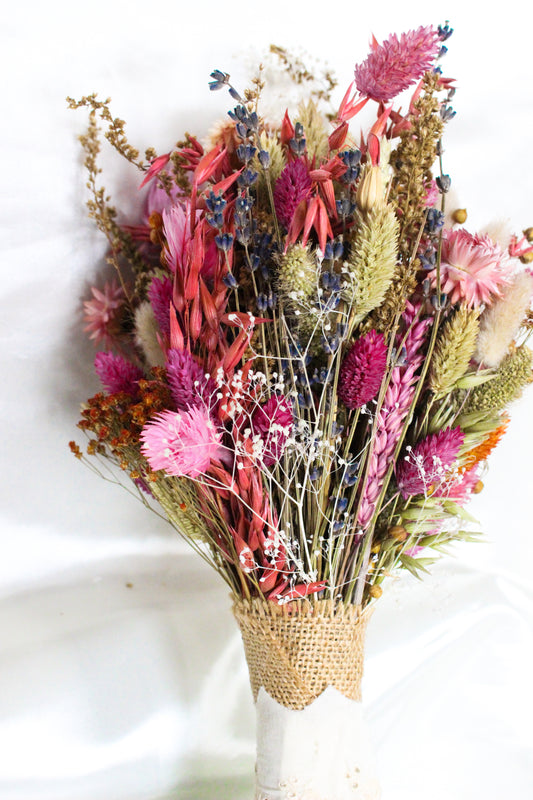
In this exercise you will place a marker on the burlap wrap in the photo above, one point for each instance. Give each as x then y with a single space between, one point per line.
296 650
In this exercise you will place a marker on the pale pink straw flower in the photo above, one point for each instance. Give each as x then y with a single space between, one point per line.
103 313
182 443
396 64
473 268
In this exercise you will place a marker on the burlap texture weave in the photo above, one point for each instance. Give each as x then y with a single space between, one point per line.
297 650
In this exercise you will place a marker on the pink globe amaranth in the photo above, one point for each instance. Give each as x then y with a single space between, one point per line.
181 443
362 370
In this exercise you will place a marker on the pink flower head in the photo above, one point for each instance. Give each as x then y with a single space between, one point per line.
397 63
362 370
188 382
273 422
117 374
292 186
473 268
103 313
427 466
181 443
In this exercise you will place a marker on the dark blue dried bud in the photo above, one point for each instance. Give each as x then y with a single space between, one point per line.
247 177
434 220
444 31
345 207
215 202
446 113
326 279
216 220
235 94
262 302
444 183
341 503
224 241
298 130
230 281
439 303
264 159
245 152
298 146
315 474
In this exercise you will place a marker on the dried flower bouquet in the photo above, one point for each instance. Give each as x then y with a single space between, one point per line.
306 363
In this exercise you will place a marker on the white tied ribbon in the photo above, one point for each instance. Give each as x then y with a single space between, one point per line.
319 753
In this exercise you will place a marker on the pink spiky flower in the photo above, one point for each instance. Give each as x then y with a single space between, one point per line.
473 268
292 186
117 374
362 370
397 63
181 443
273 422
188 382
103 313
427 466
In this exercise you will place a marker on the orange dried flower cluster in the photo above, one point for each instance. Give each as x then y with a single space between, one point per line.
483 450
116 420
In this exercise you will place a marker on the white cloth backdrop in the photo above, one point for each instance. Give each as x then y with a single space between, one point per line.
121 669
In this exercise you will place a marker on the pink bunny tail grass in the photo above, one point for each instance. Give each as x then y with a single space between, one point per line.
391 416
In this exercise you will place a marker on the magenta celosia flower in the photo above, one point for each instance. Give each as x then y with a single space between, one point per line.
473 268
273 422
117 374
188 382
292 186
181 443
427 465
103 313
160 297
362 370
397 63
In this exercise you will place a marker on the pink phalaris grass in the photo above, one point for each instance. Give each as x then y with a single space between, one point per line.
391 416
292 186
188 383
473 268
160 297
181 443
103 313
425 467
396 64
362 370
117 374
273 422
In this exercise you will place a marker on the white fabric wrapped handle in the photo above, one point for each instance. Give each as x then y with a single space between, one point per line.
321 752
